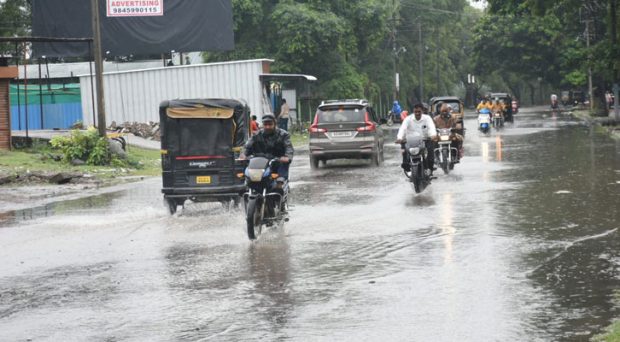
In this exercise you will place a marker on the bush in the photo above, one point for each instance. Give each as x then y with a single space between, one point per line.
87 146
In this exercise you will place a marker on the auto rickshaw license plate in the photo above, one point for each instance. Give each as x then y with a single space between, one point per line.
203 180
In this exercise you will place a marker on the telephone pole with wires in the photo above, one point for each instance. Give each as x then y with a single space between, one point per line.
587 20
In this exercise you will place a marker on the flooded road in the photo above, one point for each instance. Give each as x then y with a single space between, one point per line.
519 243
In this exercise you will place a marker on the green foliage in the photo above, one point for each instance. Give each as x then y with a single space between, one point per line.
347 83
611 335
348 44
576 78
87 146
15 18
527 39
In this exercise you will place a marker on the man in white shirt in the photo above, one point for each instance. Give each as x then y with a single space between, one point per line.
423 124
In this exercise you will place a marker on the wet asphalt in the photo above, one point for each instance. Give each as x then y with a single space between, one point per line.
519 243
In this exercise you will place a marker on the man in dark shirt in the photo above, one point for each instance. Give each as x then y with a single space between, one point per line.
271 142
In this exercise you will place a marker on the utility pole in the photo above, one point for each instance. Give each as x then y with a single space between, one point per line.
396 87
585 17
395 61
437 61
420 61
101 124
588 21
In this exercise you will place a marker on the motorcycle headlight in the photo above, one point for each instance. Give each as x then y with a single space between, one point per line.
255 175
444 138
414 150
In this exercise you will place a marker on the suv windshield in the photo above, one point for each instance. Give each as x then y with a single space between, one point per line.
332 115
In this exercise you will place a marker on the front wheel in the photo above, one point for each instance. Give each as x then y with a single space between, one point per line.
444 162
254 218
416 178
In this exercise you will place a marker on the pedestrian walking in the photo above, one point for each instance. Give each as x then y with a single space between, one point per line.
283 117
253 125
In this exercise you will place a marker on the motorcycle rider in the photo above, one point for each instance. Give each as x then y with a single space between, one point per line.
396 110
272 142
423 124
446 120
483 104
554 101
497 107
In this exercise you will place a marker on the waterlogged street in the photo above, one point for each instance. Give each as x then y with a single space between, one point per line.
519 243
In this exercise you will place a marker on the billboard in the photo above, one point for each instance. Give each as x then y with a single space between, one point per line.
134 27
116 8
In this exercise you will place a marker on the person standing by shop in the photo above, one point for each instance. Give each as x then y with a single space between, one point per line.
283 117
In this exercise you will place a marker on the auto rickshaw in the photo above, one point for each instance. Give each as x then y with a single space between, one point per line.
201 140
458 109
506 99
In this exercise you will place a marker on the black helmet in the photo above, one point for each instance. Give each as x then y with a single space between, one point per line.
269 117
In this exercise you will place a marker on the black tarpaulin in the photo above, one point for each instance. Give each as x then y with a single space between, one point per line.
208 137
186 25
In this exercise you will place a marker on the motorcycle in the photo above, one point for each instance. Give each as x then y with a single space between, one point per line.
484 121
266 199
498 120
445 154
394 118
419 176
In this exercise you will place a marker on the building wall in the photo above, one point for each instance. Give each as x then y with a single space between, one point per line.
62 106
5 116
55 116
136 95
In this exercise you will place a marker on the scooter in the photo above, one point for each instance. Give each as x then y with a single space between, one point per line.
445 154
484 121
266 199
418 176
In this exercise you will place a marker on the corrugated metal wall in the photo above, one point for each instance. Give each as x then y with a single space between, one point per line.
136 95
57 115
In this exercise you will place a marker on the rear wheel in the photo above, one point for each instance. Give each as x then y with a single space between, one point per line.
376 156
314 162
253 218
172 205
375 159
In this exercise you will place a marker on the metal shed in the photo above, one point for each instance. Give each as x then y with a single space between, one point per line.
135 95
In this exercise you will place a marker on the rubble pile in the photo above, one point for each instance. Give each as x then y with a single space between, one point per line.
148 130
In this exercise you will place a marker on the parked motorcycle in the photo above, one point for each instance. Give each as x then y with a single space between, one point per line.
419 176
484 121
266 197
445 155
498 120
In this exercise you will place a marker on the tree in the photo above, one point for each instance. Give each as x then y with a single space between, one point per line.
15 16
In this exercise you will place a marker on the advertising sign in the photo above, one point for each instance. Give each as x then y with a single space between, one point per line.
135 8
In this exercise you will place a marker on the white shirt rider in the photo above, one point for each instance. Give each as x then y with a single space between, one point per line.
425 126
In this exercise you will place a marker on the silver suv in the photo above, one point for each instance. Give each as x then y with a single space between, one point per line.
346 129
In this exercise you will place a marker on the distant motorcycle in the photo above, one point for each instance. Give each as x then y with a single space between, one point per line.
445 155
265 201
498 120
484 121
419 176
